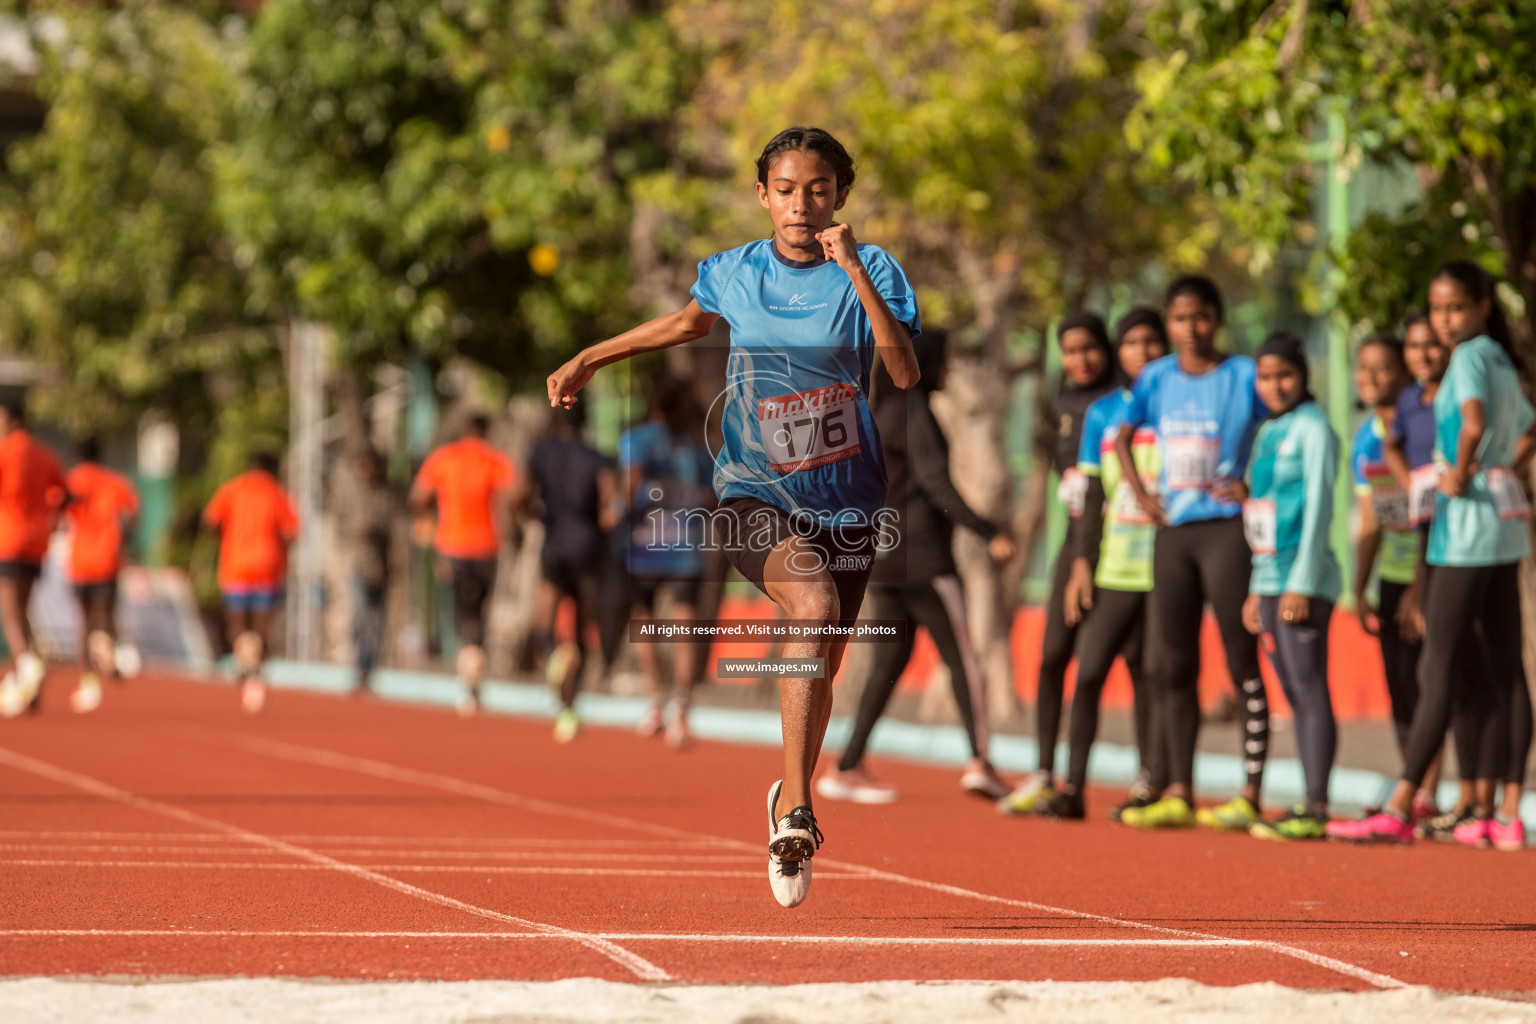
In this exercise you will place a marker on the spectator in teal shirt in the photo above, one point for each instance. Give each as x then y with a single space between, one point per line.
1295 581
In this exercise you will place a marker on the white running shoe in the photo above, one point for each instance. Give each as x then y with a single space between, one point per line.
127 659
11 703
984 782
29 676
856 786
253 696
792 841
87 695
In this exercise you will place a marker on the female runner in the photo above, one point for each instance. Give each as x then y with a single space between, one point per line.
1295 576
1111 574
1483 443
1204 407
800 474
1088 374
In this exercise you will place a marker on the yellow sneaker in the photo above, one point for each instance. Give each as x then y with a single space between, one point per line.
1169 812
1233 816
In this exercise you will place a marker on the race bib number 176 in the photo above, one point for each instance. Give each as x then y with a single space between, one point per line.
809 429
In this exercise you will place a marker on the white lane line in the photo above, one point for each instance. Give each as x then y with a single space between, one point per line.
638 965
328 840
707 858
792 940
447 783
431 869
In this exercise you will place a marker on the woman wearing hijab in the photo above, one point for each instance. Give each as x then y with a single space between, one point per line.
1088 373
916 579
1296 578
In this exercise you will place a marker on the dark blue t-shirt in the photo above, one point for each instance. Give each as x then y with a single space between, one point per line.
1414 426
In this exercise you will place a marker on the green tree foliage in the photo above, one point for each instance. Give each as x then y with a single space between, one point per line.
990 141
447 176
119 281
1236 102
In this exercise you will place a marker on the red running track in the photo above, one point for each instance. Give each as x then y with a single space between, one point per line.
167 834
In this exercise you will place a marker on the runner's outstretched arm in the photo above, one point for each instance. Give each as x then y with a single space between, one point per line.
688 324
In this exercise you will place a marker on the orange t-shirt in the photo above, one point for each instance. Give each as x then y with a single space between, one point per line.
465 476
100 502
31 490
258 521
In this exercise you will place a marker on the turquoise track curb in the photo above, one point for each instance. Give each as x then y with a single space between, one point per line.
1109 764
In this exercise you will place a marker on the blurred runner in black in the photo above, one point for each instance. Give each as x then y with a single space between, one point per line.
579 504
916 580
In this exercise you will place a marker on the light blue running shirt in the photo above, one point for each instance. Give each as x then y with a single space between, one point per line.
1290 508
1470 530
1205 426
797 428
663 540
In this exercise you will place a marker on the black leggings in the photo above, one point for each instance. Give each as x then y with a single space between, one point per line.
1519 731
1465 605
1400 659
1055 656
939 608
1115 626
1300 658
1192 564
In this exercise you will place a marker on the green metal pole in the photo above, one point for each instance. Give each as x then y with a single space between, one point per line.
1340 374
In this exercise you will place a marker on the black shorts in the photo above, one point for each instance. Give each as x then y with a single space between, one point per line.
847 554
27 572
97 593
474 579
578 578
685 590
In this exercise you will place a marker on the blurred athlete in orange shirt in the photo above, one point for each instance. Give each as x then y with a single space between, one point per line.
101 504
469 481
256 522
31 491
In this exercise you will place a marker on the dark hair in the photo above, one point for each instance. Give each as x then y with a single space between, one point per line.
1287 346
264 461
478 425
1202 288
1391 342
812 140
1479 285
1141 316
1083 320
89 450
1414 318
15 407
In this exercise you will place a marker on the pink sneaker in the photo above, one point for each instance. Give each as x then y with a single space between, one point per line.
1473 832
1509 838
1423 808
1376 828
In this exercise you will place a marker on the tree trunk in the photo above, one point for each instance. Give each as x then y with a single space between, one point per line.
972 410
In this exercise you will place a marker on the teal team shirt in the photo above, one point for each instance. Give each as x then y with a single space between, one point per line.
1398 556
1205 426
797 431
1291 478
1469 530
